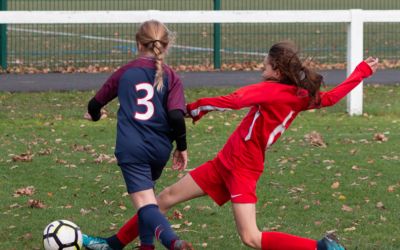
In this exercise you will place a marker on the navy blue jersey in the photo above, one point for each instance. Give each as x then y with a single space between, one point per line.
143 131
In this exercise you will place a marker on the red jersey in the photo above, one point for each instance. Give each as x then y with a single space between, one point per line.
273 107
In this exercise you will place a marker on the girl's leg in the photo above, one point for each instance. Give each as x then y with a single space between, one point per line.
245 217
143 198
183 190
151 221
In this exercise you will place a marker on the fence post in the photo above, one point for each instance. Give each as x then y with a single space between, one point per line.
3 38
217 38
355 50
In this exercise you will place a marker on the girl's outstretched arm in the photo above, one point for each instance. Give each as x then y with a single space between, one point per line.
243 97
363 70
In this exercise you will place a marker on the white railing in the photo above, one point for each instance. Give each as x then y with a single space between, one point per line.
355 18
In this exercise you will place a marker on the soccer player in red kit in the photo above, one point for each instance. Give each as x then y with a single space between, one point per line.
288 88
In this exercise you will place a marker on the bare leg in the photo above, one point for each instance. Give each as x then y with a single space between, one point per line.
143 198
183 190
245 218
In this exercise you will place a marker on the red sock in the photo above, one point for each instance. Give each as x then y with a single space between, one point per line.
282 241
129 231
147 247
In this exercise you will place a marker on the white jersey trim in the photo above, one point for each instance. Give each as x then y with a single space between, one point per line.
256 115
196 112
279 129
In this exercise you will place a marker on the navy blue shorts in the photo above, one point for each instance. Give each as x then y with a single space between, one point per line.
139 176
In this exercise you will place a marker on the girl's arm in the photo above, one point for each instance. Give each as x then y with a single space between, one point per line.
363 70
244 97
106 93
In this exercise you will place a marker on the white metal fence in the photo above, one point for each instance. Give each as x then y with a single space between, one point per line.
355 18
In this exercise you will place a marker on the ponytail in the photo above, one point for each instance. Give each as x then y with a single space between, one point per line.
311 82
283 56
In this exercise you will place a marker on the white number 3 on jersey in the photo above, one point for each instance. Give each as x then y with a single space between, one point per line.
145 101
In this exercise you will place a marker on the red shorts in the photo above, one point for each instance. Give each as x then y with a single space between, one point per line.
222 184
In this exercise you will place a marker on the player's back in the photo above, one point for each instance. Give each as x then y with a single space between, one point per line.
143 132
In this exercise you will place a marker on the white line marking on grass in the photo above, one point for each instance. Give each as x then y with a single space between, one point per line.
99 38
45 32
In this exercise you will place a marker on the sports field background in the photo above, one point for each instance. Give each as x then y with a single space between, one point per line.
352 185
52 46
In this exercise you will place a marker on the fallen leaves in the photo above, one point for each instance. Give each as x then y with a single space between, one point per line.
105 158
391 188
346 208
46 151
20 68
24 157
27 191
380 205
177 215
380 137
36 204
315 139
27 236
335 185
176 226
349 229
84 212
82 148
15 205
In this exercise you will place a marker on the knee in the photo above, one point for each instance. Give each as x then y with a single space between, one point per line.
251 239
164 200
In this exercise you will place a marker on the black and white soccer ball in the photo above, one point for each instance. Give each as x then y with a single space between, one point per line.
62 235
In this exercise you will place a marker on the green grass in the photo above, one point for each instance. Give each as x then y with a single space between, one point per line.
295 194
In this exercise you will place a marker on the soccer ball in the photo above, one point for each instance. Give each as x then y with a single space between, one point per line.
62 235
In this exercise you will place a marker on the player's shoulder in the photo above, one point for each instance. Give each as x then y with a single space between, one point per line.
172 76
169 70
276 84
270 86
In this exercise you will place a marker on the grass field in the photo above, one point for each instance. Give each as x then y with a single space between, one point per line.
55 46
351 186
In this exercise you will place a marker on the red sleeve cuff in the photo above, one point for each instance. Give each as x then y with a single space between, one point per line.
365 68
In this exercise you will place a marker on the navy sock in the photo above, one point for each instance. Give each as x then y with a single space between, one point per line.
146 235
115 243
153 223
321 245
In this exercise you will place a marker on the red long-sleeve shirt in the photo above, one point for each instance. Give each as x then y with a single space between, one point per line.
273 107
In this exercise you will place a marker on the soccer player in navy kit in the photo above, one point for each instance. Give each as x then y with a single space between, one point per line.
288 88
150 117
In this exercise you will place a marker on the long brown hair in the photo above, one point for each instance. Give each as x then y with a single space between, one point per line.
155 37
283 57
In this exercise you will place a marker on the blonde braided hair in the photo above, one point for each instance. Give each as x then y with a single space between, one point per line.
155 38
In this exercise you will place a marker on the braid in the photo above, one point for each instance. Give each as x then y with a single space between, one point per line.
159 56
155 39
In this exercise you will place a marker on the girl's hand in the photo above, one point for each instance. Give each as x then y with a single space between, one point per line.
373 63
102 115
87 116
179 160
